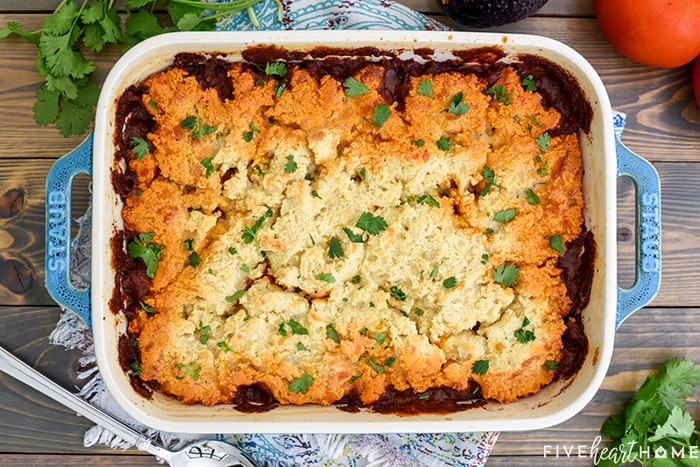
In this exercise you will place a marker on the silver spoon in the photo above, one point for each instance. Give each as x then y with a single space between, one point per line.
203 453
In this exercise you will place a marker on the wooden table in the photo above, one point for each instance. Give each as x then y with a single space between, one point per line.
663 126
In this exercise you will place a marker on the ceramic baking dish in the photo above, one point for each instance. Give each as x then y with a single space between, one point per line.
604 160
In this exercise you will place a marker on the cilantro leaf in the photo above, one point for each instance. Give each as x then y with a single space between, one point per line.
425 88
335 250
371 224
556 243
444 143
140 147
505 216
428 199
236 296
47 106
543 141
450 282
276 69
480 367
523 336
325 277
141 247
301 384
380 337
506 274
381 115
532 197
291 166
528 83
397 293
457 106
353 236
354 87
207 163
331 333
489 176
250 233
14 28
499 93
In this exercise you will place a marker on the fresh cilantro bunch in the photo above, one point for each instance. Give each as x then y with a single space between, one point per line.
656 421
69 95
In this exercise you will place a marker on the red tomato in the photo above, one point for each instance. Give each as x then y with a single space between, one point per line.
664 34
696 80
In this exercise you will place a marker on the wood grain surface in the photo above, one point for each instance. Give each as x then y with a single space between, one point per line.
663 126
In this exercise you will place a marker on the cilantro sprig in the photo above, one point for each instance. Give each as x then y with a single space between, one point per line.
69 94
142 247
656 417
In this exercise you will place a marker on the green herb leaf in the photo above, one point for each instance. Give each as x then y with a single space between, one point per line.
354 87
499 93
457 106
450 282
523 335
551 365
506 274
381 115
378 368
557 244
425 88
331 333
480 367
250 233
301 384
204 333
335 250
543 141
224 346
428 199
207 163
444 143
505 216
528 83
353 236
146 308
356 279
140 147
291 166
397 293
380 337
236 296
371 224
293 326
149 253
532 197
276 69
489 176
326 277
190 369
248 135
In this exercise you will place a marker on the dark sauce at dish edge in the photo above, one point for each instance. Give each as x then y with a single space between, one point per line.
558 89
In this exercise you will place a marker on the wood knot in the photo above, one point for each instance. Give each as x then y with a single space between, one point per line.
11 203
15 275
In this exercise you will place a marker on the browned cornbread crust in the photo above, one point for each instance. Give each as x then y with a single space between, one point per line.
266 276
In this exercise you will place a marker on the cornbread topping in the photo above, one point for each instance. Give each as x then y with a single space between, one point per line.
405 235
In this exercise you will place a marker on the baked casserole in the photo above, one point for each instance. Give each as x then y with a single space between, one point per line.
350 231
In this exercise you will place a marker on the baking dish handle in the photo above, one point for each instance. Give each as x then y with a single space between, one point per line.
58 229
648 232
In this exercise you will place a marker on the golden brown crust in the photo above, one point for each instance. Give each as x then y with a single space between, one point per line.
267 190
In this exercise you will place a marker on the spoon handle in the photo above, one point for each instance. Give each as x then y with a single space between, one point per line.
28 375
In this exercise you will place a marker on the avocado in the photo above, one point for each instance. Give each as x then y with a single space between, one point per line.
487 13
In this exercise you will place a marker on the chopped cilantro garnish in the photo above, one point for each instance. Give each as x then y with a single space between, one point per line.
146 308
276 69
354 87
428 199
397 293
489 176
301 384
236 296
206 162
532 197
499 93
380 116
356 279
140 147
294 326
194 258
378 368
450 282
543 141
204 333
480 367
353 236
505 216
190 369
224 346
250 233
380 337
506 274
371 224
417 143
523 335
291 166
457 106
528 83
444 143
331 333
425 88
248 135
326 277
141 247
557 244
335 250
551 365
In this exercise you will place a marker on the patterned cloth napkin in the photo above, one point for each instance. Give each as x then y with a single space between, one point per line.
285 450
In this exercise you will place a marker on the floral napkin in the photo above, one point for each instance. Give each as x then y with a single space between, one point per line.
286 450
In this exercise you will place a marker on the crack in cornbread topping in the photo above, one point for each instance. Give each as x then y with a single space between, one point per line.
299 232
